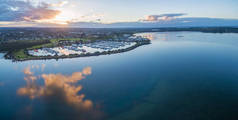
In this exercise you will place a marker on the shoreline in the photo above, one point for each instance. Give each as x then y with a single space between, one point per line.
14 59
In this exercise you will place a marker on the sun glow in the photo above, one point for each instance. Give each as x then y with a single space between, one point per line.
68 14
64 17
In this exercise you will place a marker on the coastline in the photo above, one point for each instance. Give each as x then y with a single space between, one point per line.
15 59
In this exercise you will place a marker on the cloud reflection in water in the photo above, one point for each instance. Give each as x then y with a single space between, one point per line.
60 92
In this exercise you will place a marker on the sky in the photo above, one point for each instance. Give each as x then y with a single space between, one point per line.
65 12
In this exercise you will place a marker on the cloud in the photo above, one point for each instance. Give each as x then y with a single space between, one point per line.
151 21
60 4
87 71
75 77
92 16
164 17
32 89
176 22
27 71
15 10
58 84
43 67
55 85
61 94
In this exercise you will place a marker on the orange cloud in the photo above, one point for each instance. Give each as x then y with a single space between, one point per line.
87 71
49 78
42 67
16 10
60 4
61 91
31 89
38 14
57 84
163 17
27 71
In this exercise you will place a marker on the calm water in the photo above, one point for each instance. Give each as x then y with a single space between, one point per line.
180 76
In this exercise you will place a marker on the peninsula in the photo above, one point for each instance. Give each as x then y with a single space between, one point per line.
80 46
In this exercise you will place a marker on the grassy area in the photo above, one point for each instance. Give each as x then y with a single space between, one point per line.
44 45
20 54
69 39
54 42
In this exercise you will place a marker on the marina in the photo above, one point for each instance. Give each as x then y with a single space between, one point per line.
98 47
101 46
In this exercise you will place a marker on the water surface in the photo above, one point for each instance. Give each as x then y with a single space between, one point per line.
180 76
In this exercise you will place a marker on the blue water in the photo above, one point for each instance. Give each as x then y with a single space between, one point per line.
180 76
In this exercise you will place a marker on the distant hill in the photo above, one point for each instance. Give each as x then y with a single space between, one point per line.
178 22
